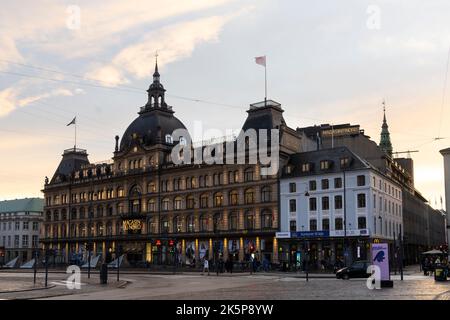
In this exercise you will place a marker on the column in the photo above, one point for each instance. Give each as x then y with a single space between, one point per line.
197 254
103 251
275 250
210 251
258 248
225 248
241 249
183 250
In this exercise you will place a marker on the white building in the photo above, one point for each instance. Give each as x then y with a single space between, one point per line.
332 194
446 154
19 228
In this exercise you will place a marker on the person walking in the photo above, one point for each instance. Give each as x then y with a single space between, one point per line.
205 266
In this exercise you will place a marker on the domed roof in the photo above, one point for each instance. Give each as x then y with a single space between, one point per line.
151 127
155 121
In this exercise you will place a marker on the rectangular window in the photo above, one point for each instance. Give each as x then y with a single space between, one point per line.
313 225
306 167
361 222
361 200
338 202
16 241
312 185
337 183
292 205
293 226
292 187
325 203
325 184
25 225
338 225
35 241
25 241
361 180
17 225
312 204
325 224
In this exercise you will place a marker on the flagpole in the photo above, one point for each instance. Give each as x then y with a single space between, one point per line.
75 146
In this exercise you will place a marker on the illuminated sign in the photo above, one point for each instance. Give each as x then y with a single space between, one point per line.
171 243
341 131
380 257
132 225
158 242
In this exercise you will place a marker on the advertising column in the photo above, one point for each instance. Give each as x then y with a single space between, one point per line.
380 258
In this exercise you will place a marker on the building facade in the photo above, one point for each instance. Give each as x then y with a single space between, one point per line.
142 205
20 222
333 205
446 154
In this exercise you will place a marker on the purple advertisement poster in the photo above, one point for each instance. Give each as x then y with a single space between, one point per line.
380 258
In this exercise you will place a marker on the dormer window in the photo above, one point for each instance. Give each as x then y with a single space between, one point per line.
182 141
289 169
325 164
306 167
345 162
169 139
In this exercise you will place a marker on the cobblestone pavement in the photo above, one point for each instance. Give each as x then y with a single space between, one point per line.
223 287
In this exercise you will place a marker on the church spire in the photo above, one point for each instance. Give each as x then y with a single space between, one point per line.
385 140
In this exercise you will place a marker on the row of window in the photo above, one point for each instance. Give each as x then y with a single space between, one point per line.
325 184
18 225
387 188
361 203
6 241
338 224
176 225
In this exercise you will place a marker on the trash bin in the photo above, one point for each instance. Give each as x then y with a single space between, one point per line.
104 273
440 273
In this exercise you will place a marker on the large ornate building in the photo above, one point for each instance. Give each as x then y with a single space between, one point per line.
143 206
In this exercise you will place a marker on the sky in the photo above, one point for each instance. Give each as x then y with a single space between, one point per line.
327 62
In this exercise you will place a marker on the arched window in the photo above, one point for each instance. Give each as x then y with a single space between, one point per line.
204 201
204 222
48 216
100 211
151 205
82 213
151 187
190 202
120 192
109 211
218 199
109 228
63 215
119 228
249 196
178 203
100 229
190 223
266 194
152 226
82 230
120 208
165 225
73 230
165 204
234 198
249 220
217 219
56 215
73 214
233 221
266 219
169 139
178 224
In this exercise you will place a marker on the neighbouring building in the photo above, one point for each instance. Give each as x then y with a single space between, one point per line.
333 205
142 205
20 221
446 154
417 236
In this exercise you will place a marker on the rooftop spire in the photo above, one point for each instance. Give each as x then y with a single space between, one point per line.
156 73
385 140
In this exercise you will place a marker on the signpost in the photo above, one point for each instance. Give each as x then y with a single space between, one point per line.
380 258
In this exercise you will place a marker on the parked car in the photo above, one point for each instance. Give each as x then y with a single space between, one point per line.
357 270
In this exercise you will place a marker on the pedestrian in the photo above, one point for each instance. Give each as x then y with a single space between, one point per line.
193 262
205 266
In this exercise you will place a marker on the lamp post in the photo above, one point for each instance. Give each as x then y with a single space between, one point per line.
345 220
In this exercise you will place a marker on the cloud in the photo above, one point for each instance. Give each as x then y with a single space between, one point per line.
173 42
12 98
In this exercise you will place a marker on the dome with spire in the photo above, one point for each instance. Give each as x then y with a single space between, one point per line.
155 121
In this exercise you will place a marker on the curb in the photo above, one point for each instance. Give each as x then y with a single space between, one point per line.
29 289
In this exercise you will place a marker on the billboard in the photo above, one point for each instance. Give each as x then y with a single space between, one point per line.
380 258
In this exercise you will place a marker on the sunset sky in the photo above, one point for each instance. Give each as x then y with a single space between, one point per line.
327 62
